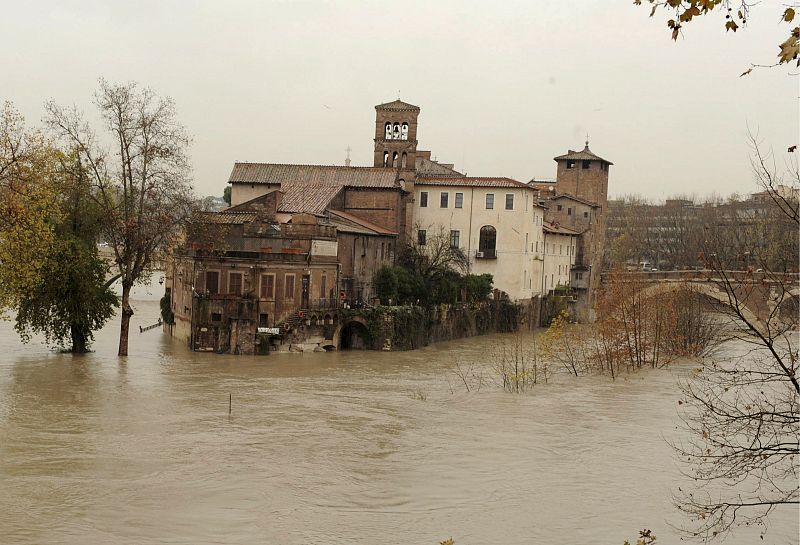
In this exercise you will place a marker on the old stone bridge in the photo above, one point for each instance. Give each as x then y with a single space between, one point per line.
761 296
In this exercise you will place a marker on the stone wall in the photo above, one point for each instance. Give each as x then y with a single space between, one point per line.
412 327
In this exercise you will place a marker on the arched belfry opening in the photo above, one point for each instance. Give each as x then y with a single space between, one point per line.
396 134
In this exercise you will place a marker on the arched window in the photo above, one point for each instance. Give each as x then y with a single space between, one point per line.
388 131
404 160
396 134
487 244
394 160
386 158
404 131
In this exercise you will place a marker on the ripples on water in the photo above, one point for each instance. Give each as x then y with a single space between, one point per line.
331 448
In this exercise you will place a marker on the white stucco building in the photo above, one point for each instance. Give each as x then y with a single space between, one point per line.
498 222
559 256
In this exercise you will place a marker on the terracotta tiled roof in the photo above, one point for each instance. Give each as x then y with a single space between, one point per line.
586 154
225 217
398 105
558 230
361 223
273 173
310 188
471 181
576 199
311 198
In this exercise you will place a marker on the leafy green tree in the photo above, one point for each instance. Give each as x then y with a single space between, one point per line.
385 282
72 298
226 195
479 286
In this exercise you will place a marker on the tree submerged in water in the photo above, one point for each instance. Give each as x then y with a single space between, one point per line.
141 187
73 297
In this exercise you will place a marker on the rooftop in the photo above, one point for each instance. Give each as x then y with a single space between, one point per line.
397 105
472 181
311 188
584 155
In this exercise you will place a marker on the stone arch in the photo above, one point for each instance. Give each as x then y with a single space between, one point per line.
709 290
352 334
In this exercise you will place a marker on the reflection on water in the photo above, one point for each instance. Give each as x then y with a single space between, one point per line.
331 448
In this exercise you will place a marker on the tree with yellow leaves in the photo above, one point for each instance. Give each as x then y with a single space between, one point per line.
28 207
735 15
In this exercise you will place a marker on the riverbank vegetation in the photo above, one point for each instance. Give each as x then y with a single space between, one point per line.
431 272
66 187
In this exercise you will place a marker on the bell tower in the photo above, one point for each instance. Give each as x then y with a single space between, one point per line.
396 148
396 136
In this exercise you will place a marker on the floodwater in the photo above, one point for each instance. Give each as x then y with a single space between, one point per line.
330 448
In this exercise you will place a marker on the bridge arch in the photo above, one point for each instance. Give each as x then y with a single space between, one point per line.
706 289
351 334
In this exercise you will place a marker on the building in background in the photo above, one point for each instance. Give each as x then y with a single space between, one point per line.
308 237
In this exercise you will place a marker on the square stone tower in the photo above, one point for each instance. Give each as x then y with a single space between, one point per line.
396 148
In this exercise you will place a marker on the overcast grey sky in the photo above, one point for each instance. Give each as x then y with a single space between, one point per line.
503 86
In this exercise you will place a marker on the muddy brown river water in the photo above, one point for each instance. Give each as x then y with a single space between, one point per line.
331 448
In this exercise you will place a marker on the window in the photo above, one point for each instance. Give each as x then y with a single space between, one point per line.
404 131
323 287
235 283
388 129
404 160
509 201
288 286
423 199
586 214
216 317
579 276
586 164
487 243
263 320
386 158
560 249
422 237
570 163
569 211
396 132
455 239
459 200
268 286
212 282
394 160
558 207
443 198
383 249
489 201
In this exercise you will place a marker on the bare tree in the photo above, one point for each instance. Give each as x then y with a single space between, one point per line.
142 185
743 411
